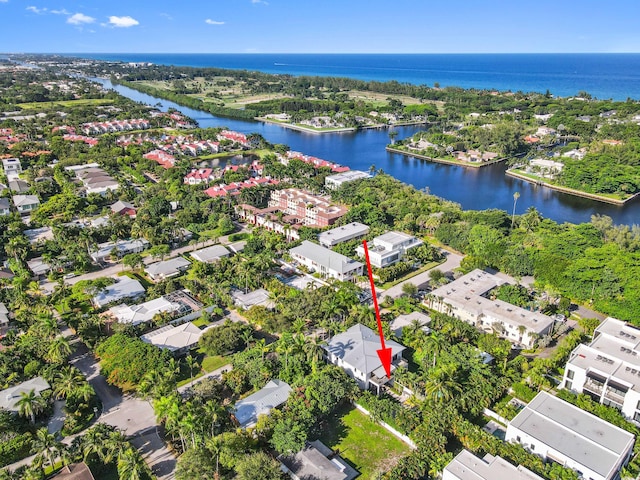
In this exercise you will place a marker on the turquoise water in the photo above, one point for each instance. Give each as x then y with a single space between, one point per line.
615 76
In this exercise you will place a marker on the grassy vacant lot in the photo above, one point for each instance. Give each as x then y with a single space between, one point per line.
367 446
66 103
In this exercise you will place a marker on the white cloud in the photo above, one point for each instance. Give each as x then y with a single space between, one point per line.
259 1
166 15
60 12
4 1
80 19
213 22
36 10
123 22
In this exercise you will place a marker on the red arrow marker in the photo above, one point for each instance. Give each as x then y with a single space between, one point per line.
384 353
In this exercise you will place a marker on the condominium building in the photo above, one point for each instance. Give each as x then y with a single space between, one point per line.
466 466
344 233
389 248
572 437
608 369
464 298
327 262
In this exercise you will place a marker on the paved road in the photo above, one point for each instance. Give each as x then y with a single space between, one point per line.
451 263
133 416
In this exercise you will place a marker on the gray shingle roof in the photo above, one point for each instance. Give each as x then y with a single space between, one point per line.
10 396
274 394
359 347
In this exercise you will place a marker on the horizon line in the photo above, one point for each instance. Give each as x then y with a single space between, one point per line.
318 53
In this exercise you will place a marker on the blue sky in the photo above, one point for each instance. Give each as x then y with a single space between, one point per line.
322 26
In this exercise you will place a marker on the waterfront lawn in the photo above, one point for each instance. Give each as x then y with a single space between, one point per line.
368 447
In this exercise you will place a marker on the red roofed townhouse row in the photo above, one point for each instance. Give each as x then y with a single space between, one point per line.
234 188
316 162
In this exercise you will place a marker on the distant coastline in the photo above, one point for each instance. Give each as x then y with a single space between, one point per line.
615 75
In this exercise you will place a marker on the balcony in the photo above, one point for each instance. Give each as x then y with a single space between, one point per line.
613 396
593 387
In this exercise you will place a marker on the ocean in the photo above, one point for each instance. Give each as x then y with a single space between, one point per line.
604 76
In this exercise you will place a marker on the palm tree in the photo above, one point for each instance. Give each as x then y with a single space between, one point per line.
192 362
131 466
48 448
314 351
441 386
59 349
516 196
30 405
215 446
67 381
434 344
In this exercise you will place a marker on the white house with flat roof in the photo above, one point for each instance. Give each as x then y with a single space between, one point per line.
389 248
271 396
356 352
344 233
326 262
12 168
572 437
124 287
466 466
608 369
335 181
464 299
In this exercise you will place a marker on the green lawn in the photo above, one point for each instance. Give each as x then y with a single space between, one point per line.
66 103
208 364
411 274
365 445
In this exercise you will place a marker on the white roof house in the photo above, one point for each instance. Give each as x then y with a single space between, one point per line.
339 179
124 287
463 298
327 262
608 369
9 397
344 233
176 339
26 203
210 254
4 315
466 466
122 247
38 266
406 320
256 297
171 303
389 248
12 168
356 352
271 396
36 235
566 434
167 268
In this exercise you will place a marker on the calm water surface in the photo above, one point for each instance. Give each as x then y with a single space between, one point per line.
472 188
